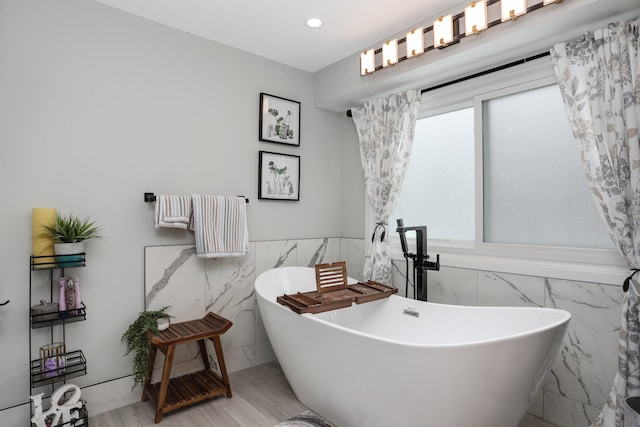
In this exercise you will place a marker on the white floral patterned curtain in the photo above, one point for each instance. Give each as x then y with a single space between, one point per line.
385 129
599 79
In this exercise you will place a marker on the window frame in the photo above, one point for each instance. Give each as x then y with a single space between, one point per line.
604 266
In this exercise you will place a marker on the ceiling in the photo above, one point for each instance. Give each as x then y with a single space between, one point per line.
276 29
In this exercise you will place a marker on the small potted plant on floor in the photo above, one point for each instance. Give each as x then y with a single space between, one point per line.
69 233
135 337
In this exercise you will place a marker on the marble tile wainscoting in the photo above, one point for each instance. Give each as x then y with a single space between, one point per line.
193 286
577 387
573 394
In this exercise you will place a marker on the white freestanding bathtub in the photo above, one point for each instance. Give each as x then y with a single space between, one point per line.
401 362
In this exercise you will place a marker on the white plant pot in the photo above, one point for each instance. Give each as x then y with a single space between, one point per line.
68 248
163 323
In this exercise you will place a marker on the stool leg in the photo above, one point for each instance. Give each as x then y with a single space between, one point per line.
164 384
203 353
223 367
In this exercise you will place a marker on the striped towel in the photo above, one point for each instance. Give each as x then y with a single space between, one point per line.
174 212
220 226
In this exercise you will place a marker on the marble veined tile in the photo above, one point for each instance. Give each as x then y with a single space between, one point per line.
333 248
314 251
352 251
230 293
238 359
566 412
171 273
264 352
275 254
399 277
261 332
587 363
537 405
452 285
511 290
447 286
186 359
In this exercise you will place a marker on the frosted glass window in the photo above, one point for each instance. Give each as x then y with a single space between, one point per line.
439 186
535 191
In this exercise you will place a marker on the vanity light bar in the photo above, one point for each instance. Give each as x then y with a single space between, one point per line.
445 31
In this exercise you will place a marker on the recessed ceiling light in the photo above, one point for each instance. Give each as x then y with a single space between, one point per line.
314 22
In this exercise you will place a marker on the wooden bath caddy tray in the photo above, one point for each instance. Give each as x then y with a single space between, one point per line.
333 292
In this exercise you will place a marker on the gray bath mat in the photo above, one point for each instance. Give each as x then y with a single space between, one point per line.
305 419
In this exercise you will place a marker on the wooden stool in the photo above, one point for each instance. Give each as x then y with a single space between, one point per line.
174 393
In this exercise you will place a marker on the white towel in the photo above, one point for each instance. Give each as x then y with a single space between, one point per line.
220 226
174 212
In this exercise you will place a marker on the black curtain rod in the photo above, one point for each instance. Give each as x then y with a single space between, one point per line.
481 73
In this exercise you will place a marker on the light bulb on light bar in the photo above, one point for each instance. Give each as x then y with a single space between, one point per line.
475 17
511 9
367 62
390 52
443 31
415 42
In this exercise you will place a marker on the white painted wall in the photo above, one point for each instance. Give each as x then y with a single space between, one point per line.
97 107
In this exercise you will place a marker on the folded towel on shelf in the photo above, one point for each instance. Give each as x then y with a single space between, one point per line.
174 211
220 226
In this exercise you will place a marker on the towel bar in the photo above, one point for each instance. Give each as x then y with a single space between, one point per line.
151 197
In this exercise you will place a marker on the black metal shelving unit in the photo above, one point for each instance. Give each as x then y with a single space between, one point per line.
75 362
59 317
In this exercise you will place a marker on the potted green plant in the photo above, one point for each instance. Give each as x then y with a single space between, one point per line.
69 233
135 338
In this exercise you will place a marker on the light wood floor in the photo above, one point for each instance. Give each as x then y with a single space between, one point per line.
262 397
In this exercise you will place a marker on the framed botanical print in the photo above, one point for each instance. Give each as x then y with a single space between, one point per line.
279 120
278 176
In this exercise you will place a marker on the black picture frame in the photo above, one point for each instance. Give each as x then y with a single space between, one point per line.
279 120
278 176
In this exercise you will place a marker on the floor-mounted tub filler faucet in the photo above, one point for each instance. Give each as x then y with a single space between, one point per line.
420 259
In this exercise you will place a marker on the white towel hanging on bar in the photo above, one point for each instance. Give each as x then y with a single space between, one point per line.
220 226
174 211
